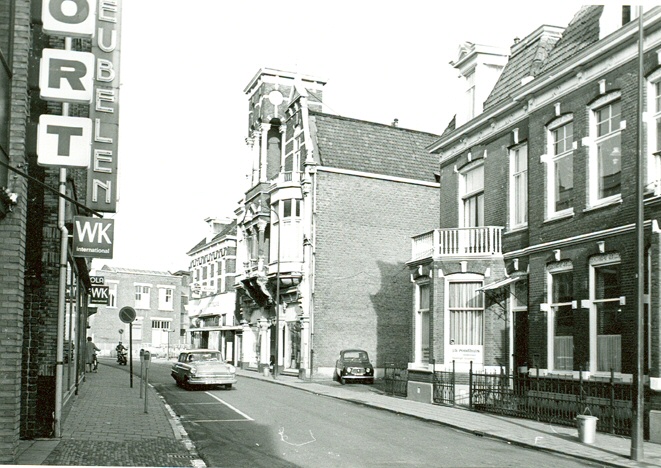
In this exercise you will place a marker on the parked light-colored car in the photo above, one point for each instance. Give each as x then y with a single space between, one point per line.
203 367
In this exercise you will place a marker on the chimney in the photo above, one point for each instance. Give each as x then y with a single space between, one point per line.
395 123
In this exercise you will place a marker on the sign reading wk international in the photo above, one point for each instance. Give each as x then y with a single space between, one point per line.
93 237
90 78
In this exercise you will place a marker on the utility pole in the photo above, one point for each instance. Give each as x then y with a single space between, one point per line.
638 402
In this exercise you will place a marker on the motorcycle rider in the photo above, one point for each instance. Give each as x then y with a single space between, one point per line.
121 353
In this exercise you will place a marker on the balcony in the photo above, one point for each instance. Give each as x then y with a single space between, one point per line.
458 242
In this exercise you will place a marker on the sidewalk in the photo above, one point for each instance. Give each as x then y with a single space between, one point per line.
110 427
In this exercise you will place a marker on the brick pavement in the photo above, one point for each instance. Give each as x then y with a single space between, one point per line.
106 425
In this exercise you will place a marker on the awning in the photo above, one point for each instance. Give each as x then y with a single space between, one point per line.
501 283
218 304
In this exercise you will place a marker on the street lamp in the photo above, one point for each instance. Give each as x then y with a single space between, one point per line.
277 300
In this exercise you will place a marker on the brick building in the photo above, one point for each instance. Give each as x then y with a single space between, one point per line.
159 299
534 264
324 229
44 290
212 311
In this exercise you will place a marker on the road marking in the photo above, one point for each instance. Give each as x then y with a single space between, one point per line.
215 420
230 406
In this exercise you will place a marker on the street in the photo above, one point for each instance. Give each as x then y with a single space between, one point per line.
262 424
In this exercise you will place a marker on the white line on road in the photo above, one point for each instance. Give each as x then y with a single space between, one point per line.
230 406
215 420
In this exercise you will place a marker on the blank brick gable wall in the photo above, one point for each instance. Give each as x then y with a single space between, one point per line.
362 287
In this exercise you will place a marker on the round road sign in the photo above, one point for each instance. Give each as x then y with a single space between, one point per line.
127 314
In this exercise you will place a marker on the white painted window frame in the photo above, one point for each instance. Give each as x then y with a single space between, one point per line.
555 268
592 142
514 197
550 159
651 116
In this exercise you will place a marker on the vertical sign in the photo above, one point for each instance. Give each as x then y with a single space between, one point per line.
104 111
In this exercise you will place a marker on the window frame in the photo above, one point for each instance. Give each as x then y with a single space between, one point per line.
515 174
465 195
419 356
558 268
653 134
595 264
595 140
140 301
463 279
552 159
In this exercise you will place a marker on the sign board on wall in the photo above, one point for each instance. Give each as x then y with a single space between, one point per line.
93 237
63 141
104 111
68 18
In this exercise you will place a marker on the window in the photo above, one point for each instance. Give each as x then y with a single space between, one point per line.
142 296
287 226
112 295
606 155
607 316
560 172
519 186
165 298
422 324
653 169
473 197
561 319
212 270
466 309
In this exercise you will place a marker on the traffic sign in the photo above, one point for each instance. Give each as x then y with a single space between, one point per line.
127 314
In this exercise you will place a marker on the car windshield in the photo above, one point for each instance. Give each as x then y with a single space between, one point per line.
355 356
202 357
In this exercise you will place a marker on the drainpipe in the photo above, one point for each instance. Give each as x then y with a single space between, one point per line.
64 245
309 195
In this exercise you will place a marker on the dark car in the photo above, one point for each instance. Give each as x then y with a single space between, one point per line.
203 367
354 365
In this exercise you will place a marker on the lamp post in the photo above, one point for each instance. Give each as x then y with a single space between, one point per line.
277 301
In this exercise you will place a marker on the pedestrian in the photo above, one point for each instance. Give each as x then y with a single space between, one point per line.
90 353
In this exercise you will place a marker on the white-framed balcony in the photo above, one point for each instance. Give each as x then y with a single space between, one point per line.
458 242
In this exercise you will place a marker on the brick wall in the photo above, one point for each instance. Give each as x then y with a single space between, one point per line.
362 289
12 246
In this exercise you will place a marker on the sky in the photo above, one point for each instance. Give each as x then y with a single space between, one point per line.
183 114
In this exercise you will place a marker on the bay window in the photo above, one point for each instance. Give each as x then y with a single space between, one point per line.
466 308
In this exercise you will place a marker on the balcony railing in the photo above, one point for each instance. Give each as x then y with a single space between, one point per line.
474 241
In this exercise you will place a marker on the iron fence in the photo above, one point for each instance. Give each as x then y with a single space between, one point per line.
444 387
555 399
395 379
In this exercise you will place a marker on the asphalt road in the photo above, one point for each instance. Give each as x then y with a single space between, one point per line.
261 424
